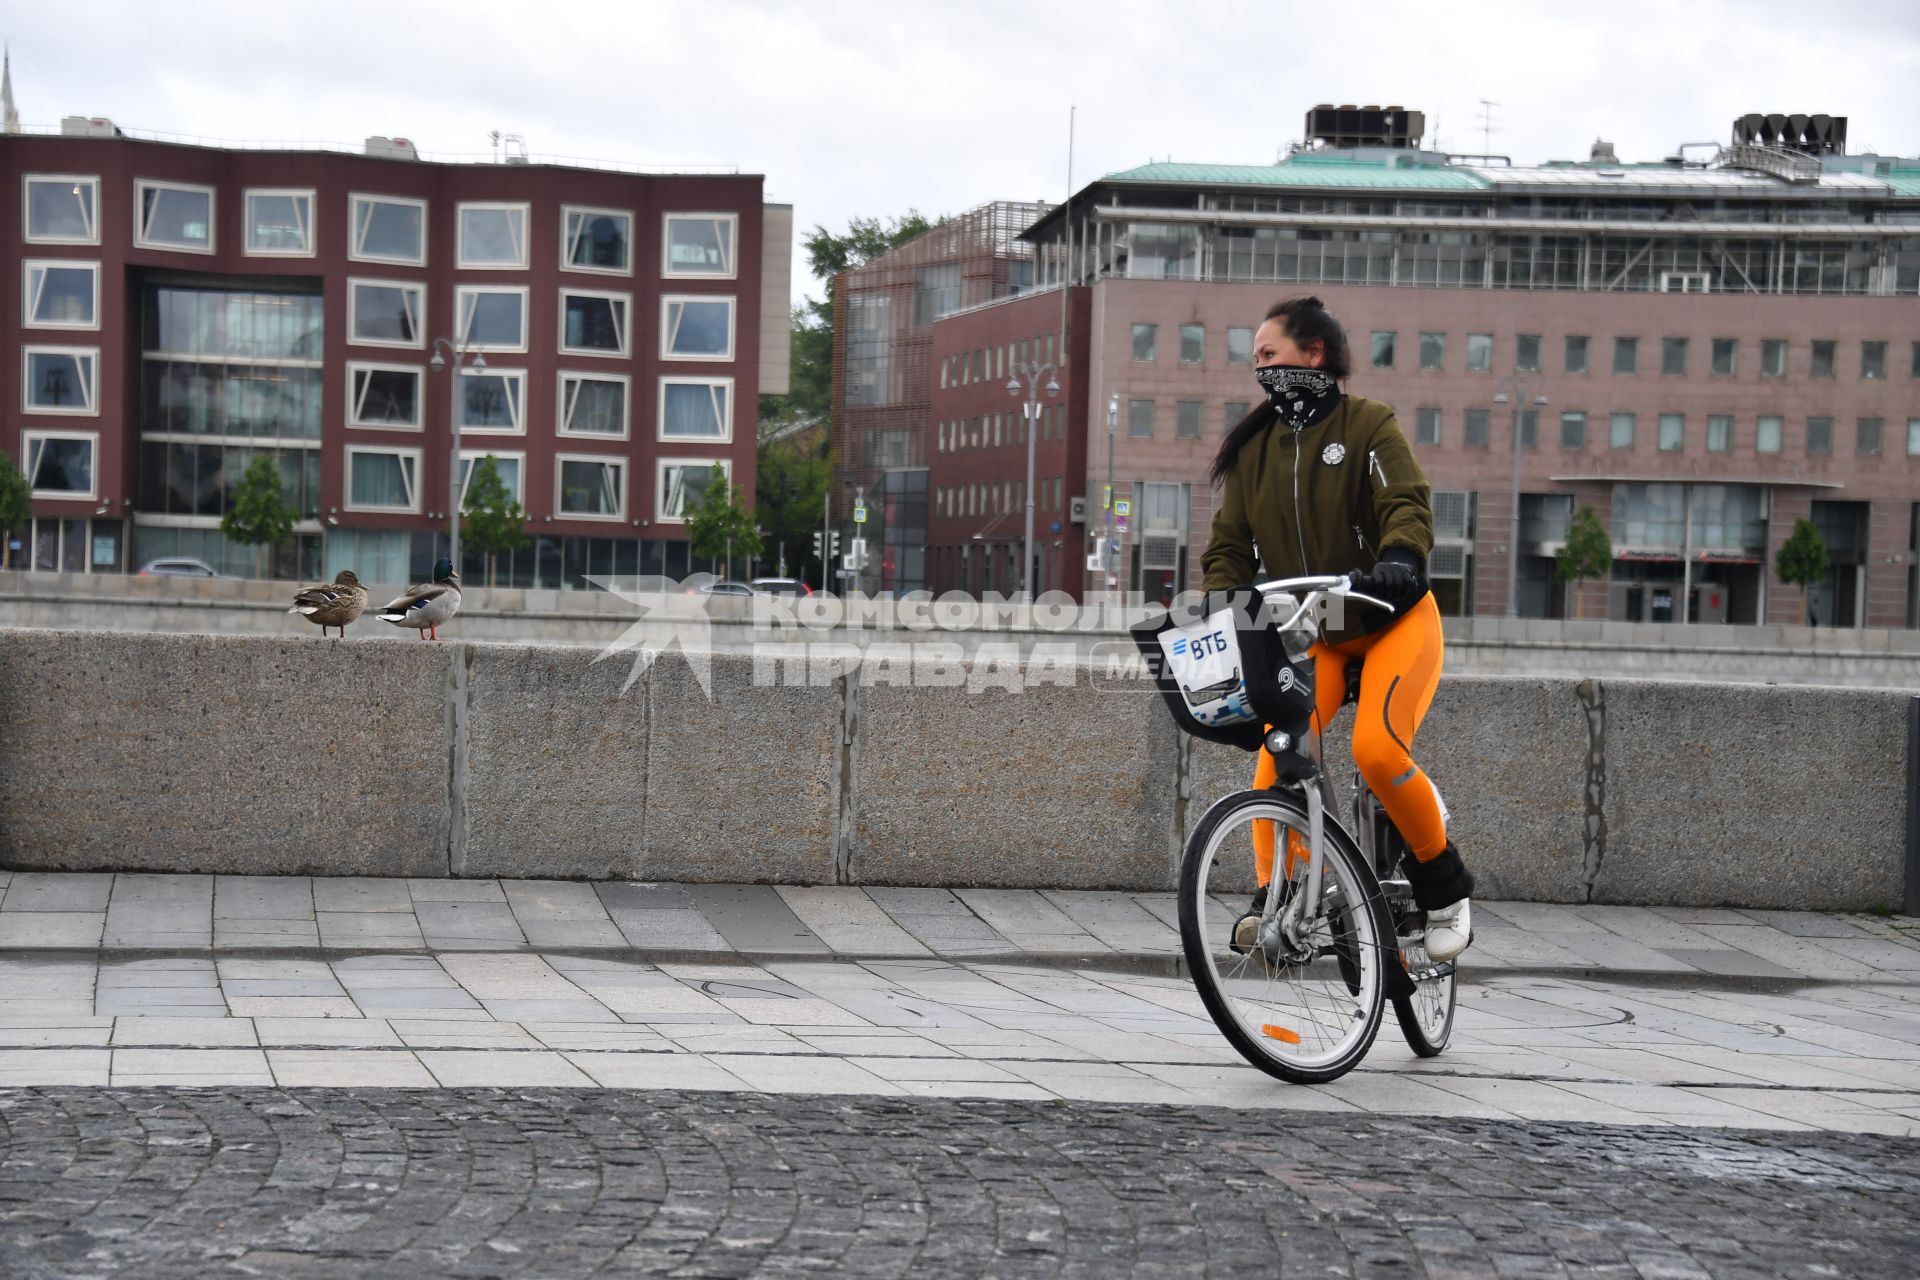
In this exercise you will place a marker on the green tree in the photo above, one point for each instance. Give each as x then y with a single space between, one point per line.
492 520
792 481
721 525
1802 561
259 515
16 506
1587 554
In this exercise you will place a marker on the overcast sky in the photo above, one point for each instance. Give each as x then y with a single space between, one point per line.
874 108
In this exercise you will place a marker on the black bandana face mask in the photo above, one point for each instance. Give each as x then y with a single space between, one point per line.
1301 396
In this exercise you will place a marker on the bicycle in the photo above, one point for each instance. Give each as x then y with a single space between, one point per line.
1298 976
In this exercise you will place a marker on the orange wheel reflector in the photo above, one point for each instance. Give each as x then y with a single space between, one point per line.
1280 1033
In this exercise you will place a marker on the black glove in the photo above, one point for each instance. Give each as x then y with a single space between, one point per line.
1400 579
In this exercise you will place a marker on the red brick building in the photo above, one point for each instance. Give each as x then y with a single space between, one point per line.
171 311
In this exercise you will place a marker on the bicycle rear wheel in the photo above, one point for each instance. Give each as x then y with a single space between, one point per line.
1307 1008
1426 1016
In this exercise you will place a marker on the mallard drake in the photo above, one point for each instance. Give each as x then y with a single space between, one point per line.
428 605
332 604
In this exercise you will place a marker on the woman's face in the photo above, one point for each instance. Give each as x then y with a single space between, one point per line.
1271 345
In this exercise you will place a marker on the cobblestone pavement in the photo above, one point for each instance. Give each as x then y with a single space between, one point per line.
165 1182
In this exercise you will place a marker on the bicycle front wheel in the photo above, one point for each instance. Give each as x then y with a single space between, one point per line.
1303 1005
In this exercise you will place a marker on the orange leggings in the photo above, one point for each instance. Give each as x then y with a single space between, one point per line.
1396 687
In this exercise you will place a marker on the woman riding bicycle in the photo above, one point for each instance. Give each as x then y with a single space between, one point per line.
1314 481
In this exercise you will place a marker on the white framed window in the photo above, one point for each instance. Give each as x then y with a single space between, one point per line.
385 397
492 317
279 223
596 240
383 479
492 400
60 208
172 215
589 487
593 323
58 293
60 380
511 466
492 237
594 404
696 328
681 484
696 409
61 464
699 245
386 313
388 229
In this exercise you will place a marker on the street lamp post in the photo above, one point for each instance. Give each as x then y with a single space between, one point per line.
1112 547
459 352
1525 393
1030 373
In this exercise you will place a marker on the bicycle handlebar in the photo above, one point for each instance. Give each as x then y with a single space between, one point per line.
1340 584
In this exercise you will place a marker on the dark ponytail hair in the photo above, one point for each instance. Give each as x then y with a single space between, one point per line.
1307 321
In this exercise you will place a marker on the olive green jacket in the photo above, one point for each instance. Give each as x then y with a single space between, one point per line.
1322 500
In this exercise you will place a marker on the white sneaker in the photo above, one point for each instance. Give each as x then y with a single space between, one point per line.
1449 930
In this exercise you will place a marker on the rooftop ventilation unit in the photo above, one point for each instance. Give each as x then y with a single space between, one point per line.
1350 126
1809 135
88 127
392 148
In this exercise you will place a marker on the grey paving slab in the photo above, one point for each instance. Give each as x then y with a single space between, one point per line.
1119 920
1027 919
348 1069
361 893
850 922
195 1032
554 913
684 929
264 934
32 929
455 891
57 891
354 929
453 925
460 1069
263 898
755 919
1730 961
86 1068
324 1032
627 895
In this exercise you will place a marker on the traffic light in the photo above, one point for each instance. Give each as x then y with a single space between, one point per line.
816 546
836 542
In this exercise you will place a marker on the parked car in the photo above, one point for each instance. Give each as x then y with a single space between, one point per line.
726 587
781 587
177 567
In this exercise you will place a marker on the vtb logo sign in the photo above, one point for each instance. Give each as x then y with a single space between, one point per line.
1201 646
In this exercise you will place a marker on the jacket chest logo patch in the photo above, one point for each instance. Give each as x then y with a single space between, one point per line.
1334 454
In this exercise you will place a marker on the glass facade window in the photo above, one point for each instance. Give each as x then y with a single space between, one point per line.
388 229
236 363
682 485
491 318
1381 349
1626 355
1725 356
280 224
1867 436
209 323
493 399
1232 411
699 244
1913 438
1726 517
1186 424
1766 433
1573 430
1819 435
1240 345
594 404
386 313
508 466
1146 341
1719 432
1479 352
1475 428
698 409
1159 251
60 464
492 236
60 380
936 293
1773 357
870 350
60 295
1673 432
384 396
1620 431
1433 351
1426 425
171 216
696 329
1526 353
383 479
596 240
62 209
1913 370
1822 359
1577 344
1873 360
1140 419
591 488
594 323
1526 425
199 477
1673 356
1193 343
1649 515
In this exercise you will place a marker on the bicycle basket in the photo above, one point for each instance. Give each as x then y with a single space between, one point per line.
1223 669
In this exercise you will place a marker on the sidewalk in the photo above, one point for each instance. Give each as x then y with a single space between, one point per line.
1608 1014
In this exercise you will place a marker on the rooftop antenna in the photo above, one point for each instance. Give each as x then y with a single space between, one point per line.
1487 127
